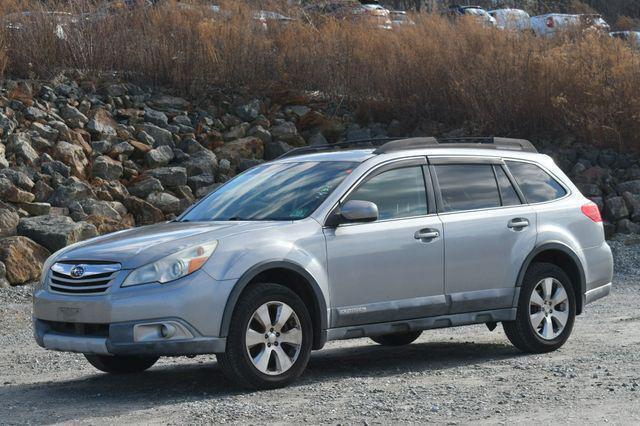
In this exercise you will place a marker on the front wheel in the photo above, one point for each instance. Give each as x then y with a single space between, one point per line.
546 310
270 338
397 339
121 364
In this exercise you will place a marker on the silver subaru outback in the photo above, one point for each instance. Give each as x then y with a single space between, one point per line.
336 242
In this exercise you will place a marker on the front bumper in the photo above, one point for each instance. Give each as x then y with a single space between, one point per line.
127 321
120 339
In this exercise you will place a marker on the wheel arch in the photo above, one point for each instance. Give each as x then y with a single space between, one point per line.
293 276
564 257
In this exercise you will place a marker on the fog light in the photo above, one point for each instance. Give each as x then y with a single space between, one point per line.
167 331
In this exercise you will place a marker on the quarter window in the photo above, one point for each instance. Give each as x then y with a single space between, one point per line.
467 186
536 184
398 193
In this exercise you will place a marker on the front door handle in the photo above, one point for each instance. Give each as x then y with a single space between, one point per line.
518 223
426 234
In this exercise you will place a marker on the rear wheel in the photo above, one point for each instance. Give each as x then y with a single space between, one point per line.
397 339
546 310
121 364
270 338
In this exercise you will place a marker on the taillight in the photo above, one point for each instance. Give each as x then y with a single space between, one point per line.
550 22
592 211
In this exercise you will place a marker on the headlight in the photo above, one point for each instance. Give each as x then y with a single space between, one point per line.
173 266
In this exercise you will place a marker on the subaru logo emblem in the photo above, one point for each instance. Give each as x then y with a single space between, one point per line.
77 271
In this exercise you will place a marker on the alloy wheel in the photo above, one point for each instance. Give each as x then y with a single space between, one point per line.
273 338
549 308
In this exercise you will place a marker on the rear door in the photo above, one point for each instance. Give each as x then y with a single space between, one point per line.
488 231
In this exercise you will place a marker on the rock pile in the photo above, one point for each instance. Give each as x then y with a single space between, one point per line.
79 159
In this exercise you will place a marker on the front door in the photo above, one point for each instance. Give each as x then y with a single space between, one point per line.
390 269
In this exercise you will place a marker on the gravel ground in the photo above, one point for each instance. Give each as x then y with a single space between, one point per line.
451 376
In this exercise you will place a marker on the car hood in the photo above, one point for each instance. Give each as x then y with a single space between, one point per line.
133 248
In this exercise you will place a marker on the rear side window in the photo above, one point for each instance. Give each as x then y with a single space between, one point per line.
507 192
536 184
467 186
398 193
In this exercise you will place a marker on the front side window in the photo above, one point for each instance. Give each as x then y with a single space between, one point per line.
274 191
467 186
536 185
398 193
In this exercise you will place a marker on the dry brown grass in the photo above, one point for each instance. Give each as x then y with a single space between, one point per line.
493 82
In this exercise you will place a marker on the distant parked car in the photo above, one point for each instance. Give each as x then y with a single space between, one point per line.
632 37
400 18
481 15
369 12
553 23
376 14
512 19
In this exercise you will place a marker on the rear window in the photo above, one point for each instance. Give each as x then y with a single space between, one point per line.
536 184
467 186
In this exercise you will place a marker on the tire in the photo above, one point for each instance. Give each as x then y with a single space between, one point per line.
121 364
549 334
397 339
260 356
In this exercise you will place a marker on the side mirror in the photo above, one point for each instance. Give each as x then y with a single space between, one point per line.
354 211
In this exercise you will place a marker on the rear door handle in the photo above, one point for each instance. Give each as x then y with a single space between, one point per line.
426 234
518 223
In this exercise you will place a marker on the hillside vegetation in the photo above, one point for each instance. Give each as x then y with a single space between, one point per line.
586 86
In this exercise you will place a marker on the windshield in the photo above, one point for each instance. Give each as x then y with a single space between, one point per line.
275 191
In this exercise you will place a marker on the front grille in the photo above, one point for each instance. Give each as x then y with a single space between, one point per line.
82 277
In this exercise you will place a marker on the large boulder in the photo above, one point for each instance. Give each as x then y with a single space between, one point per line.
107 168
71 190
144 186
8 222
55 232
19 144
170 177
616 208
632 186
73 156
106 225
159 156
633 201
204 162
10 192
22 258
167 203
144 212
250 147
160 136
100 208
18 178
102 125
72 116
158 118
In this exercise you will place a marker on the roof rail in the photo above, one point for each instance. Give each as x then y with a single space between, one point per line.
358 143
385 145
464 142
